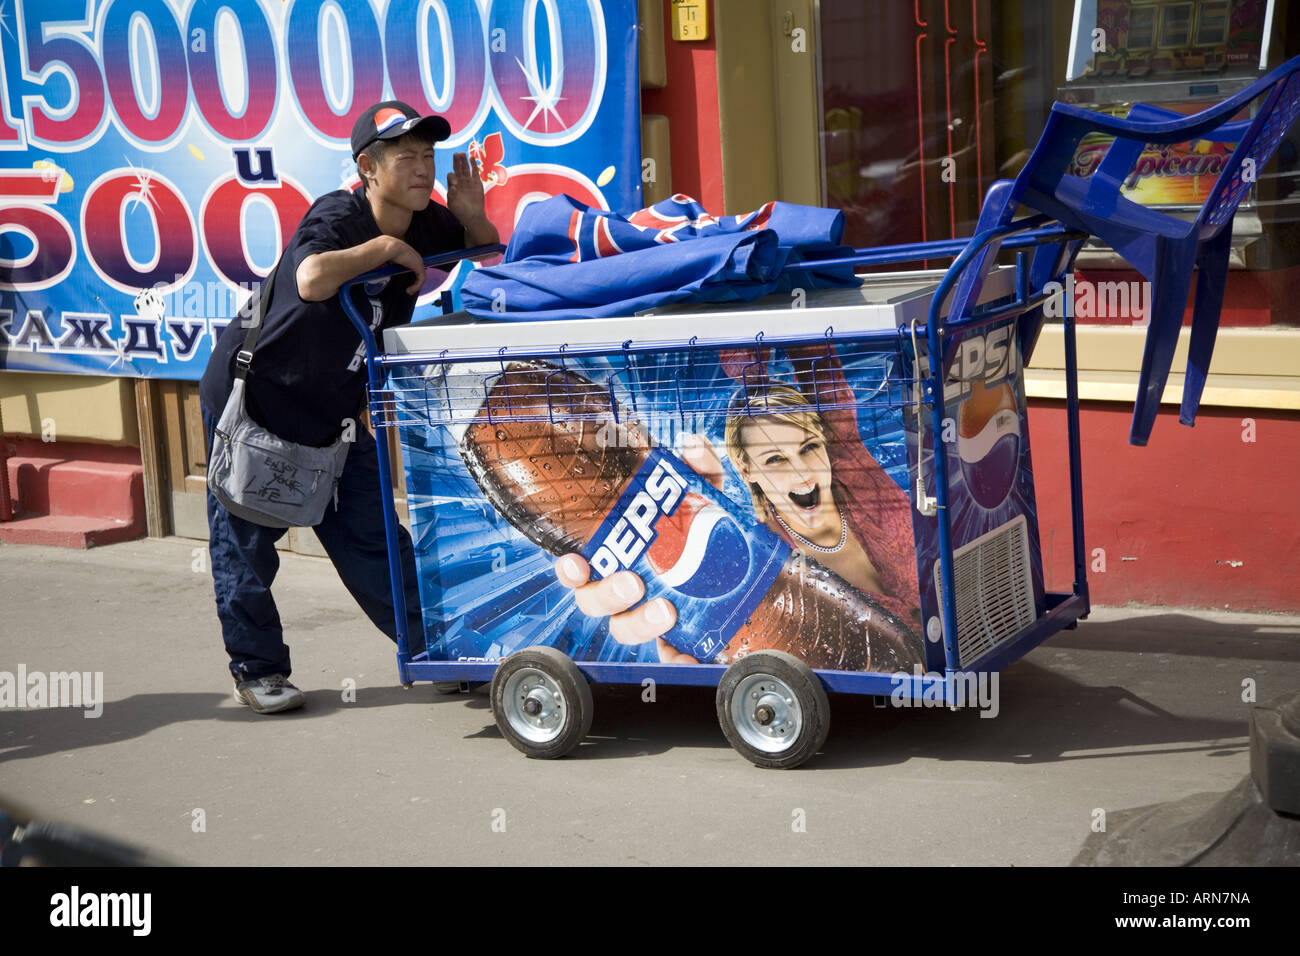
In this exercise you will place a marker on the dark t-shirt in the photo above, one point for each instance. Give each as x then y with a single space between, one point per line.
308 372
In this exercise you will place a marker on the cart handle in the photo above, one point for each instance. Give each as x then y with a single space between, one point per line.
381 438
939 248
441 259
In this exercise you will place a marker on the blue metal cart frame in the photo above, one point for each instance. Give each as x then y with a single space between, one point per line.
972 258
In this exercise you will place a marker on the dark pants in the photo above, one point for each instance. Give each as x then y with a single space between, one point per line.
244 562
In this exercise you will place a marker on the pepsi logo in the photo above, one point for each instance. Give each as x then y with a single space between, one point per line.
699 550
387 117
979 359
988 442
632 531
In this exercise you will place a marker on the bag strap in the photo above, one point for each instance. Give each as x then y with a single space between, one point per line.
244 357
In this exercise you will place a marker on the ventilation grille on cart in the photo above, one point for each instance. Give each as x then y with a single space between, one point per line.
994 591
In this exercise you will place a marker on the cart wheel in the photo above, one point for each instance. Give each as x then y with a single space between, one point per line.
773 709
541 702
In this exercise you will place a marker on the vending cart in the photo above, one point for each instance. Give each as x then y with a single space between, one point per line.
824 491
768 473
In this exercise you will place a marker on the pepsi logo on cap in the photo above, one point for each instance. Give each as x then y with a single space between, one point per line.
387 118
699 550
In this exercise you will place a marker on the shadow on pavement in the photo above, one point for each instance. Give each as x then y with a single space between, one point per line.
1187 636
40 732
1043 716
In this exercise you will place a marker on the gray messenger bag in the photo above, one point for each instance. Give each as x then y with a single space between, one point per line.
259 476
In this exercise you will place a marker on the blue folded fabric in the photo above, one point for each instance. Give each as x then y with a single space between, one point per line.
567 260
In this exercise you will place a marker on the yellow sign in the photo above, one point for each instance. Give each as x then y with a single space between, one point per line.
690 19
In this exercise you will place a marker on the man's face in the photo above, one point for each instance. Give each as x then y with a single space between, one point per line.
404 176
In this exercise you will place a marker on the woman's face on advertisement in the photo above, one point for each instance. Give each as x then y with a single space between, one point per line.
793 469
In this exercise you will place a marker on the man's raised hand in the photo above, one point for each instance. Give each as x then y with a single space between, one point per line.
464 190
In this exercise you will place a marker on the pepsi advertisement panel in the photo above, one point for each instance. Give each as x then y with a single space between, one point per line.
756 494
991 504
156 155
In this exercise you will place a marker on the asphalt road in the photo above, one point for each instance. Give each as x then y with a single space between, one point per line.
1137 706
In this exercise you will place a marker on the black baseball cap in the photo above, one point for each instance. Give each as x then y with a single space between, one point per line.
391 119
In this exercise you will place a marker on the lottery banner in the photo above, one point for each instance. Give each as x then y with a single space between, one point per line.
173 146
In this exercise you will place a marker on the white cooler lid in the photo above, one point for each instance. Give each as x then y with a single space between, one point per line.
884 301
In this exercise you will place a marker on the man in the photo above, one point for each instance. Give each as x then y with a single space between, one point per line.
307 380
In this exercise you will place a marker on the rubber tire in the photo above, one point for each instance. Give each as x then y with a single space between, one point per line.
560 668
809 692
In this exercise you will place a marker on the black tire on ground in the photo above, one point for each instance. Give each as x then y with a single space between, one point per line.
773 709
546 681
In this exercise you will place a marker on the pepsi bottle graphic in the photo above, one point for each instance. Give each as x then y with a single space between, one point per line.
988 442
575 474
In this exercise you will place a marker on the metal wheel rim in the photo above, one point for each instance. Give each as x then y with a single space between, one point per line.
780 733
530 683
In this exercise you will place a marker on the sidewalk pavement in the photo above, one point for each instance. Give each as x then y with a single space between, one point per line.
1136 706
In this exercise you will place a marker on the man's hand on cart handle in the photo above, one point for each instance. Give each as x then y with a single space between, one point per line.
322 274
615 596
404 255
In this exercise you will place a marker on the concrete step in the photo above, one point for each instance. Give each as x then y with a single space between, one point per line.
63 486
70 531
74 495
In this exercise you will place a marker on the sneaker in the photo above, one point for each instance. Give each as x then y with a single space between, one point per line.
269 695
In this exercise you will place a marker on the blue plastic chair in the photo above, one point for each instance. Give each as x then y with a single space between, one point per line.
1163 248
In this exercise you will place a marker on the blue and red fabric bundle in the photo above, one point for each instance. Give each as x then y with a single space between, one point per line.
567 260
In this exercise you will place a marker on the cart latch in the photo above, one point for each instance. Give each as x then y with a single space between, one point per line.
926 504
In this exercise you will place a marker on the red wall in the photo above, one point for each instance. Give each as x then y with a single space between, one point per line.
1198 518
690 101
